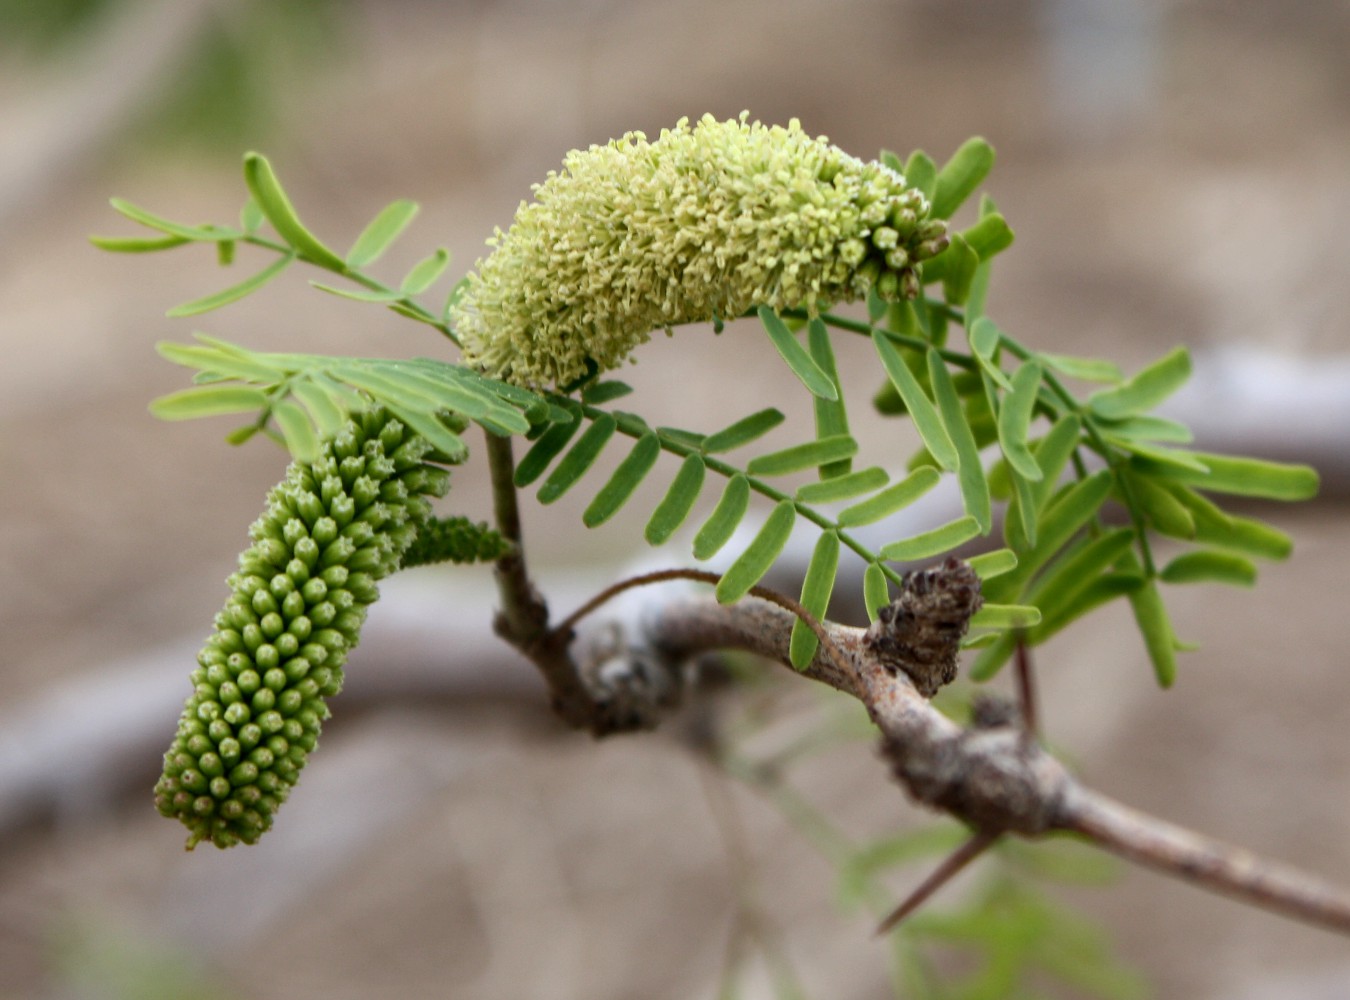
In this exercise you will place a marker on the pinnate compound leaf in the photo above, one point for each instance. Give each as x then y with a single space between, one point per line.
845 487
578 460
743 431
932 543
722 522
809 455
1207 565
424 274
228 364
831 414
969 472
1076 568
298 432
876 591
208 401
235 292
1215 527
891 499
1149 428
1150 614
960 176
626 478
759 556
276 206
381 233
921 409
1014 419
1144 390
544 450
381 296
678 501
816 590
807 371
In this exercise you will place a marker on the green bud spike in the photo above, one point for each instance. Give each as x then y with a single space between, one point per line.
279 644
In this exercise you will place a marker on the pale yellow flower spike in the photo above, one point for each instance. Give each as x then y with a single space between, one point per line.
702 224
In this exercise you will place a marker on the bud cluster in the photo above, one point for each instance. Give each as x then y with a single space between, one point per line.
702 224
332 528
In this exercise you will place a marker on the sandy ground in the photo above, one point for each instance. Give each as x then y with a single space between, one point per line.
1175 173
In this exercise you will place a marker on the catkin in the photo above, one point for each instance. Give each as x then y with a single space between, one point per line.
332 528
702 224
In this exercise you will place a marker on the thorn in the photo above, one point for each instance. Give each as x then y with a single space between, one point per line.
944 872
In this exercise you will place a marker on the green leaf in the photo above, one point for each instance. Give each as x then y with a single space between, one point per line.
1085 369
931 543
722 522
580 458
1084 600
1145 390
985 339
1149 428
424 274
1151 616
1053 453
961 175
955 268
1248 477
267 191
759 556
1207 565
544 450
743 431
599 393
235 292
196 234
377 237
831 415
891 499
251 216
988 565
1229 531
1161 508
876 591
1158 456
218 362
921 173
442 438
844 487
382 296
1076 567
225 252
328 416
134 244
298 432
969 472
1001 616
631 471
678 501
208 401
1014 419
796 356
808 455
816 590
921 410
990 236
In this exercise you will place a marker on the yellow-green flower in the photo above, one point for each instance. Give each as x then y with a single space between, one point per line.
703 224
332 528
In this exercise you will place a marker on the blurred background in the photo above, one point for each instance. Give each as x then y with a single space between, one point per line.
1176 172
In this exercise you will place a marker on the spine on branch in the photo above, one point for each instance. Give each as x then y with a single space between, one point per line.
332 529
702 224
